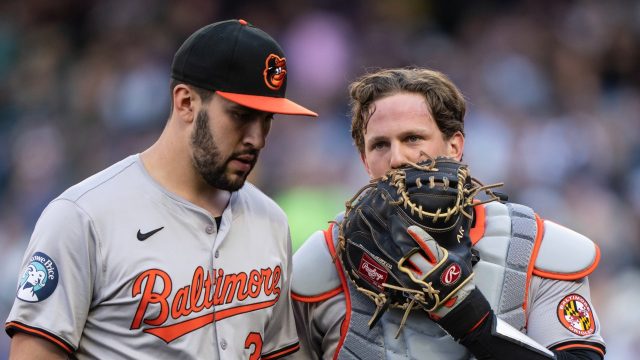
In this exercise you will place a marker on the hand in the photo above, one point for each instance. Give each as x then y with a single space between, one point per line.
446 278
404 240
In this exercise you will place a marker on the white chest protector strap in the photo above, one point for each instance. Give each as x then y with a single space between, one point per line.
505 252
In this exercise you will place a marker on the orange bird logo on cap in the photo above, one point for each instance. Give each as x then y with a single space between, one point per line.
275 71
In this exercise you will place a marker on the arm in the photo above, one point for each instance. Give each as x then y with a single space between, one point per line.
578 354
25 346
318 325
552 321
319 303
280 338
57 310
491 339
471 321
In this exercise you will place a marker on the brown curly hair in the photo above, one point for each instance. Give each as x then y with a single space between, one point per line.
446 102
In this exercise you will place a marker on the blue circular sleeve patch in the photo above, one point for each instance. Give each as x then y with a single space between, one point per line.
39 278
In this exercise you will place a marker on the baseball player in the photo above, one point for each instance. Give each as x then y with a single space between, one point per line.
531 273
170 254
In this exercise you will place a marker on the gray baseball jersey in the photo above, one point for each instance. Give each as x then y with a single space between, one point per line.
118 267
557 305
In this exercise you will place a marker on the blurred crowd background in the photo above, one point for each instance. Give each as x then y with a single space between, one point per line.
553 90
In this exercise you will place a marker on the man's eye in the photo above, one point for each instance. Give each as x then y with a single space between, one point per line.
413 138
240 115
378 146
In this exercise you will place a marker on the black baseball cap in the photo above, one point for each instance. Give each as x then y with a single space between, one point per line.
239 62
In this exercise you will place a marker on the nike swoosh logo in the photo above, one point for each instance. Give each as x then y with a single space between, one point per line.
145 236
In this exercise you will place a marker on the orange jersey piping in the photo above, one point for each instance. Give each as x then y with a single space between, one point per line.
317 298
328 237
572 276
532 261
581 346
477 231
287 350
40 333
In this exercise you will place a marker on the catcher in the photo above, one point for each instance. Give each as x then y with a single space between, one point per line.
422 267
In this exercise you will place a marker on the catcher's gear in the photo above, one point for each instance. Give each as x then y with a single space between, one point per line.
404 238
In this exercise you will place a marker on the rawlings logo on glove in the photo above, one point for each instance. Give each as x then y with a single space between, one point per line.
374 272
451 275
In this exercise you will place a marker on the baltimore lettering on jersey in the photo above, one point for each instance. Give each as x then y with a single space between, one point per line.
216 289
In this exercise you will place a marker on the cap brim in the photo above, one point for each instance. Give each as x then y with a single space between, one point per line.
267 104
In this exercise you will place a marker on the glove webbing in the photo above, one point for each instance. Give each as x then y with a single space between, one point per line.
464 197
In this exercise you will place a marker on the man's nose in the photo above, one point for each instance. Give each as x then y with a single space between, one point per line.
398 157
255 134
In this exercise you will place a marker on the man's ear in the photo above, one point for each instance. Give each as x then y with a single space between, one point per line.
455 146
183 103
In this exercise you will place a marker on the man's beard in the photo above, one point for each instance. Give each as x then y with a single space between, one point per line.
209 162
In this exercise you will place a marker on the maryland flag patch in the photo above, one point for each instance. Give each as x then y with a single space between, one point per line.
575 314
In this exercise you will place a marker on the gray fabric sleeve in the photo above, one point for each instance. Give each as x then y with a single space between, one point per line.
64 234
281 333
547 321
318 325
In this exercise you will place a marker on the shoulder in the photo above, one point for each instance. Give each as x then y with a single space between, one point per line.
99 181
556 252
565 254
315 276
62 215
97 193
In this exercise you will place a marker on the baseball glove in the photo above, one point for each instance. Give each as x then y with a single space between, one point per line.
404 239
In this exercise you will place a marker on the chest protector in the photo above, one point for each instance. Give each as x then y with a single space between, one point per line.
508 233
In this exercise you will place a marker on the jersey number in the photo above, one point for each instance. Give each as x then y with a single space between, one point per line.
254 339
